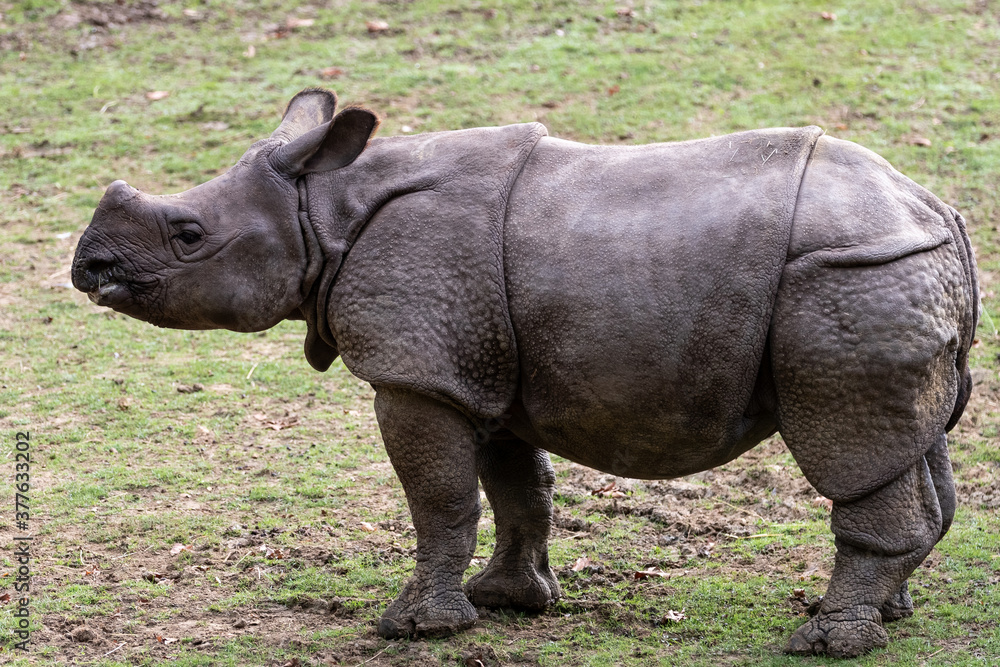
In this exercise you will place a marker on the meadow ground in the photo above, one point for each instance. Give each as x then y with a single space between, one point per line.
205 498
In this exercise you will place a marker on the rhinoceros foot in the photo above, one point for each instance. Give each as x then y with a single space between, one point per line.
840 634
899 606
526 587
426 612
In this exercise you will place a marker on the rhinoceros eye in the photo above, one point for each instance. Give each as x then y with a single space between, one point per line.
188 237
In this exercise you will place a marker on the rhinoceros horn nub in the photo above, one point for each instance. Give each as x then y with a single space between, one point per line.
117 194
308 109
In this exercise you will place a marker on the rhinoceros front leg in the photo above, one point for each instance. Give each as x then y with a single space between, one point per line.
432 449
519 483
880 539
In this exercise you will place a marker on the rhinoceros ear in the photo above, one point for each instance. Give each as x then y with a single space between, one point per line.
308 109
327 147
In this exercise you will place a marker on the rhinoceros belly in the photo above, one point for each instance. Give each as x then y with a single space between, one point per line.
640 282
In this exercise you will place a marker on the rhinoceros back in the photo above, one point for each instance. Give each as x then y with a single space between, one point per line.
640 283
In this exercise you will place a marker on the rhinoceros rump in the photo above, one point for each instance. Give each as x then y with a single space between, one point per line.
649 311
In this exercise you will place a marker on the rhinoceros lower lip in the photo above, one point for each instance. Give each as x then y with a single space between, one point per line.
108 294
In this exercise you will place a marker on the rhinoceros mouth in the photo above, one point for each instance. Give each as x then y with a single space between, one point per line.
112 290
106 290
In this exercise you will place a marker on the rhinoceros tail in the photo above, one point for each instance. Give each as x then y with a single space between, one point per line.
971 319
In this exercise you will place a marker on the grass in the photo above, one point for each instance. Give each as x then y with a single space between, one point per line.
126 466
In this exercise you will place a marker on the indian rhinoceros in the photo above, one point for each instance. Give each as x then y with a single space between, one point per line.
648 311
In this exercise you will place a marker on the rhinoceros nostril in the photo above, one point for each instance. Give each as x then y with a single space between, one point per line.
90 274
100 268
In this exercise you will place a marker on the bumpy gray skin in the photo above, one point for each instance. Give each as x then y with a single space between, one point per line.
648 311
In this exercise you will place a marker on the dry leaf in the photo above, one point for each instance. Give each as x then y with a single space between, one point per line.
330 72
154 95
613 89
799 593
651 572
192 13
375 27
190 388
828 16
608 491
295 23
177 548
4 598
625 12
808 573
920 141
674 616
273 554
250 52
367 527
277 424
581 564
820 501
169 640
603 489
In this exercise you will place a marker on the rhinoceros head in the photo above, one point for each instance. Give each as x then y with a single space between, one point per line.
229 253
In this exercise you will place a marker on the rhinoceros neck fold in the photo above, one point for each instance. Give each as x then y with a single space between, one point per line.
334 207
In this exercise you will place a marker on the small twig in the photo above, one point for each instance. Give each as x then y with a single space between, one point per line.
373 657
765 159
932 655
60 272
734 154
114 649
742 509
242 557
572 536
590 603
252 369
750 537
126 555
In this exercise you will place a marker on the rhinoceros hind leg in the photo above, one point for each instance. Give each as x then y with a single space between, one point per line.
939 464
899 606
865 363
880 539
432 449
519 483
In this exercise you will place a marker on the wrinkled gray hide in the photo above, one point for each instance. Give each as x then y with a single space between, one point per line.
648 311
